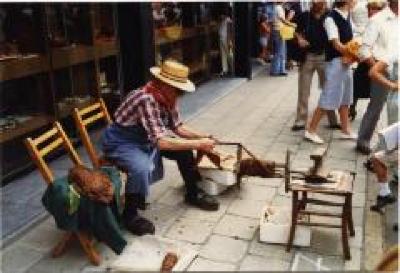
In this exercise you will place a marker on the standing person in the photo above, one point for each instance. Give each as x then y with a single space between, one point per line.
380 36
225 33
362 86
265 31
278 66
337 92
312 40
141 136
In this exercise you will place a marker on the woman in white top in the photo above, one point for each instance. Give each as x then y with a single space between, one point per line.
225 33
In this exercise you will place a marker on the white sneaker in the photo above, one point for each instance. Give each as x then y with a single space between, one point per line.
349 136
313 137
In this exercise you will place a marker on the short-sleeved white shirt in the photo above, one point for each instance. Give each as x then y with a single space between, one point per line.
331 28
279 14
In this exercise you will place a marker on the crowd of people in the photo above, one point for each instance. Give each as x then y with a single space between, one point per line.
321 44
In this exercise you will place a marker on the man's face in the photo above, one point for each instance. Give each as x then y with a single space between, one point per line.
394 6
318 6
352 4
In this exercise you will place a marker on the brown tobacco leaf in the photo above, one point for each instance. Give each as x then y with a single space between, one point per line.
92 183
256 167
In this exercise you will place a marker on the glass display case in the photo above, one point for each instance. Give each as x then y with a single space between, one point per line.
187 32
53 57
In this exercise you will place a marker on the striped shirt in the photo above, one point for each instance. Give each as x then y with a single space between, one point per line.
140 108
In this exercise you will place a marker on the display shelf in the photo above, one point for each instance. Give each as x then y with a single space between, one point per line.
71 55
65 108
106 48
22 66
31 124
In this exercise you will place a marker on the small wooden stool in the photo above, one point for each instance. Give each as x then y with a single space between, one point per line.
317 180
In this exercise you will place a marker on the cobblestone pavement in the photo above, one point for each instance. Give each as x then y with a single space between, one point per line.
259 113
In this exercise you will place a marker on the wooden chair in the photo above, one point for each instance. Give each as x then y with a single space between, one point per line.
49 142
86 117
341 184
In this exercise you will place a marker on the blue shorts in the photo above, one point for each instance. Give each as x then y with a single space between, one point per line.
338 87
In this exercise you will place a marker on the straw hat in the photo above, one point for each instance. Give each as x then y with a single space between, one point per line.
174 74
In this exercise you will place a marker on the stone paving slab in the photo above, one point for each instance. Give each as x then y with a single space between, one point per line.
237 227
257 263
201 264
224 249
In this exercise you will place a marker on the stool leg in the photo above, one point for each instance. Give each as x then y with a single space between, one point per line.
295 208
350 215
345 239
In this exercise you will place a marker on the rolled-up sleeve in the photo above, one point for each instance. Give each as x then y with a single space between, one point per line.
331 29
369 38
150 118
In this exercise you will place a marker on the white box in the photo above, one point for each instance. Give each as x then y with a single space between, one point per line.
225 176
275 226
211 187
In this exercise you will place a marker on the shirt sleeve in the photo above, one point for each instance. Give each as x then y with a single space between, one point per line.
280 13
368 40
331 29
176 119
150 118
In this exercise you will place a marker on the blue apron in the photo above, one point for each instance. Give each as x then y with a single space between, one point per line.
130 149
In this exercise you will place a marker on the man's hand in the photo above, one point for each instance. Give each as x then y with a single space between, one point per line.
206 144
395 86
303 43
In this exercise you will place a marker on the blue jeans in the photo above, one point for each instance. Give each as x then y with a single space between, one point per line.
278 65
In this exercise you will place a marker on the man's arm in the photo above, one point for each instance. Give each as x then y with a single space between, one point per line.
377 74
188 133
181 144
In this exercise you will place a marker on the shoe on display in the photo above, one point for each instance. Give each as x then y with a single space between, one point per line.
313 137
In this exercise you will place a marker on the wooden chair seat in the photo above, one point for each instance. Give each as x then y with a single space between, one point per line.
38 149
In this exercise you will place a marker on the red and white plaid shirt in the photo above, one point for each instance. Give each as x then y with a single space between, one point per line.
140 108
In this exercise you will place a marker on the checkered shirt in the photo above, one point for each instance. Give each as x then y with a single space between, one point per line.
140 108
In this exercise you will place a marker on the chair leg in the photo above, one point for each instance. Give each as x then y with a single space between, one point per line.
295 208
304 200
87 246
345 239
61 246
350 215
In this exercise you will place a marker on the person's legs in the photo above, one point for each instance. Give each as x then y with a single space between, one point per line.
347 99
319 64
190 174
224 56
371 115
276 49
187 168
306 71
283 57
137 164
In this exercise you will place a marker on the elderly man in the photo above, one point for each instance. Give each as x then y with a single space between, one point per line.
379 37
147 127
312 38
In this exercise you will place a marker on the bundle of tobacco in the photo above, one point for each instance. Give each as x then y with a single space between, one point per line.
91 183
257 167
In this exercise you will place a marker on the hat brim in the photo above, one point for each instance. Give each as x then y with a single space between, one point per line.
187 86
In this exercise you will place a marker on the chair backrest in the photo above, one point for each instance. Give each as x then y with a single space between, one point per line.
46 143
86 117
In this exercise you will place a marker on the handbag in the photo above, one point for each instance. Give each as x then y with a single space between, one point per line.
286 31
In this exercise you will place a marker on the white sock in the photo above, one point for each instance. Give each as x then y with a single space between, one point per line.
384 189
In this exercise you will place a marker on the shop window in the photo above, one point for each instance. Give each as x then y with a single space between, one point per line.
188 32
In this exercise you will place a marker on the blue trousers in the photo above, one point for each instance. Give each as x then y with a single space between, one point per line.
130 150
278 64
